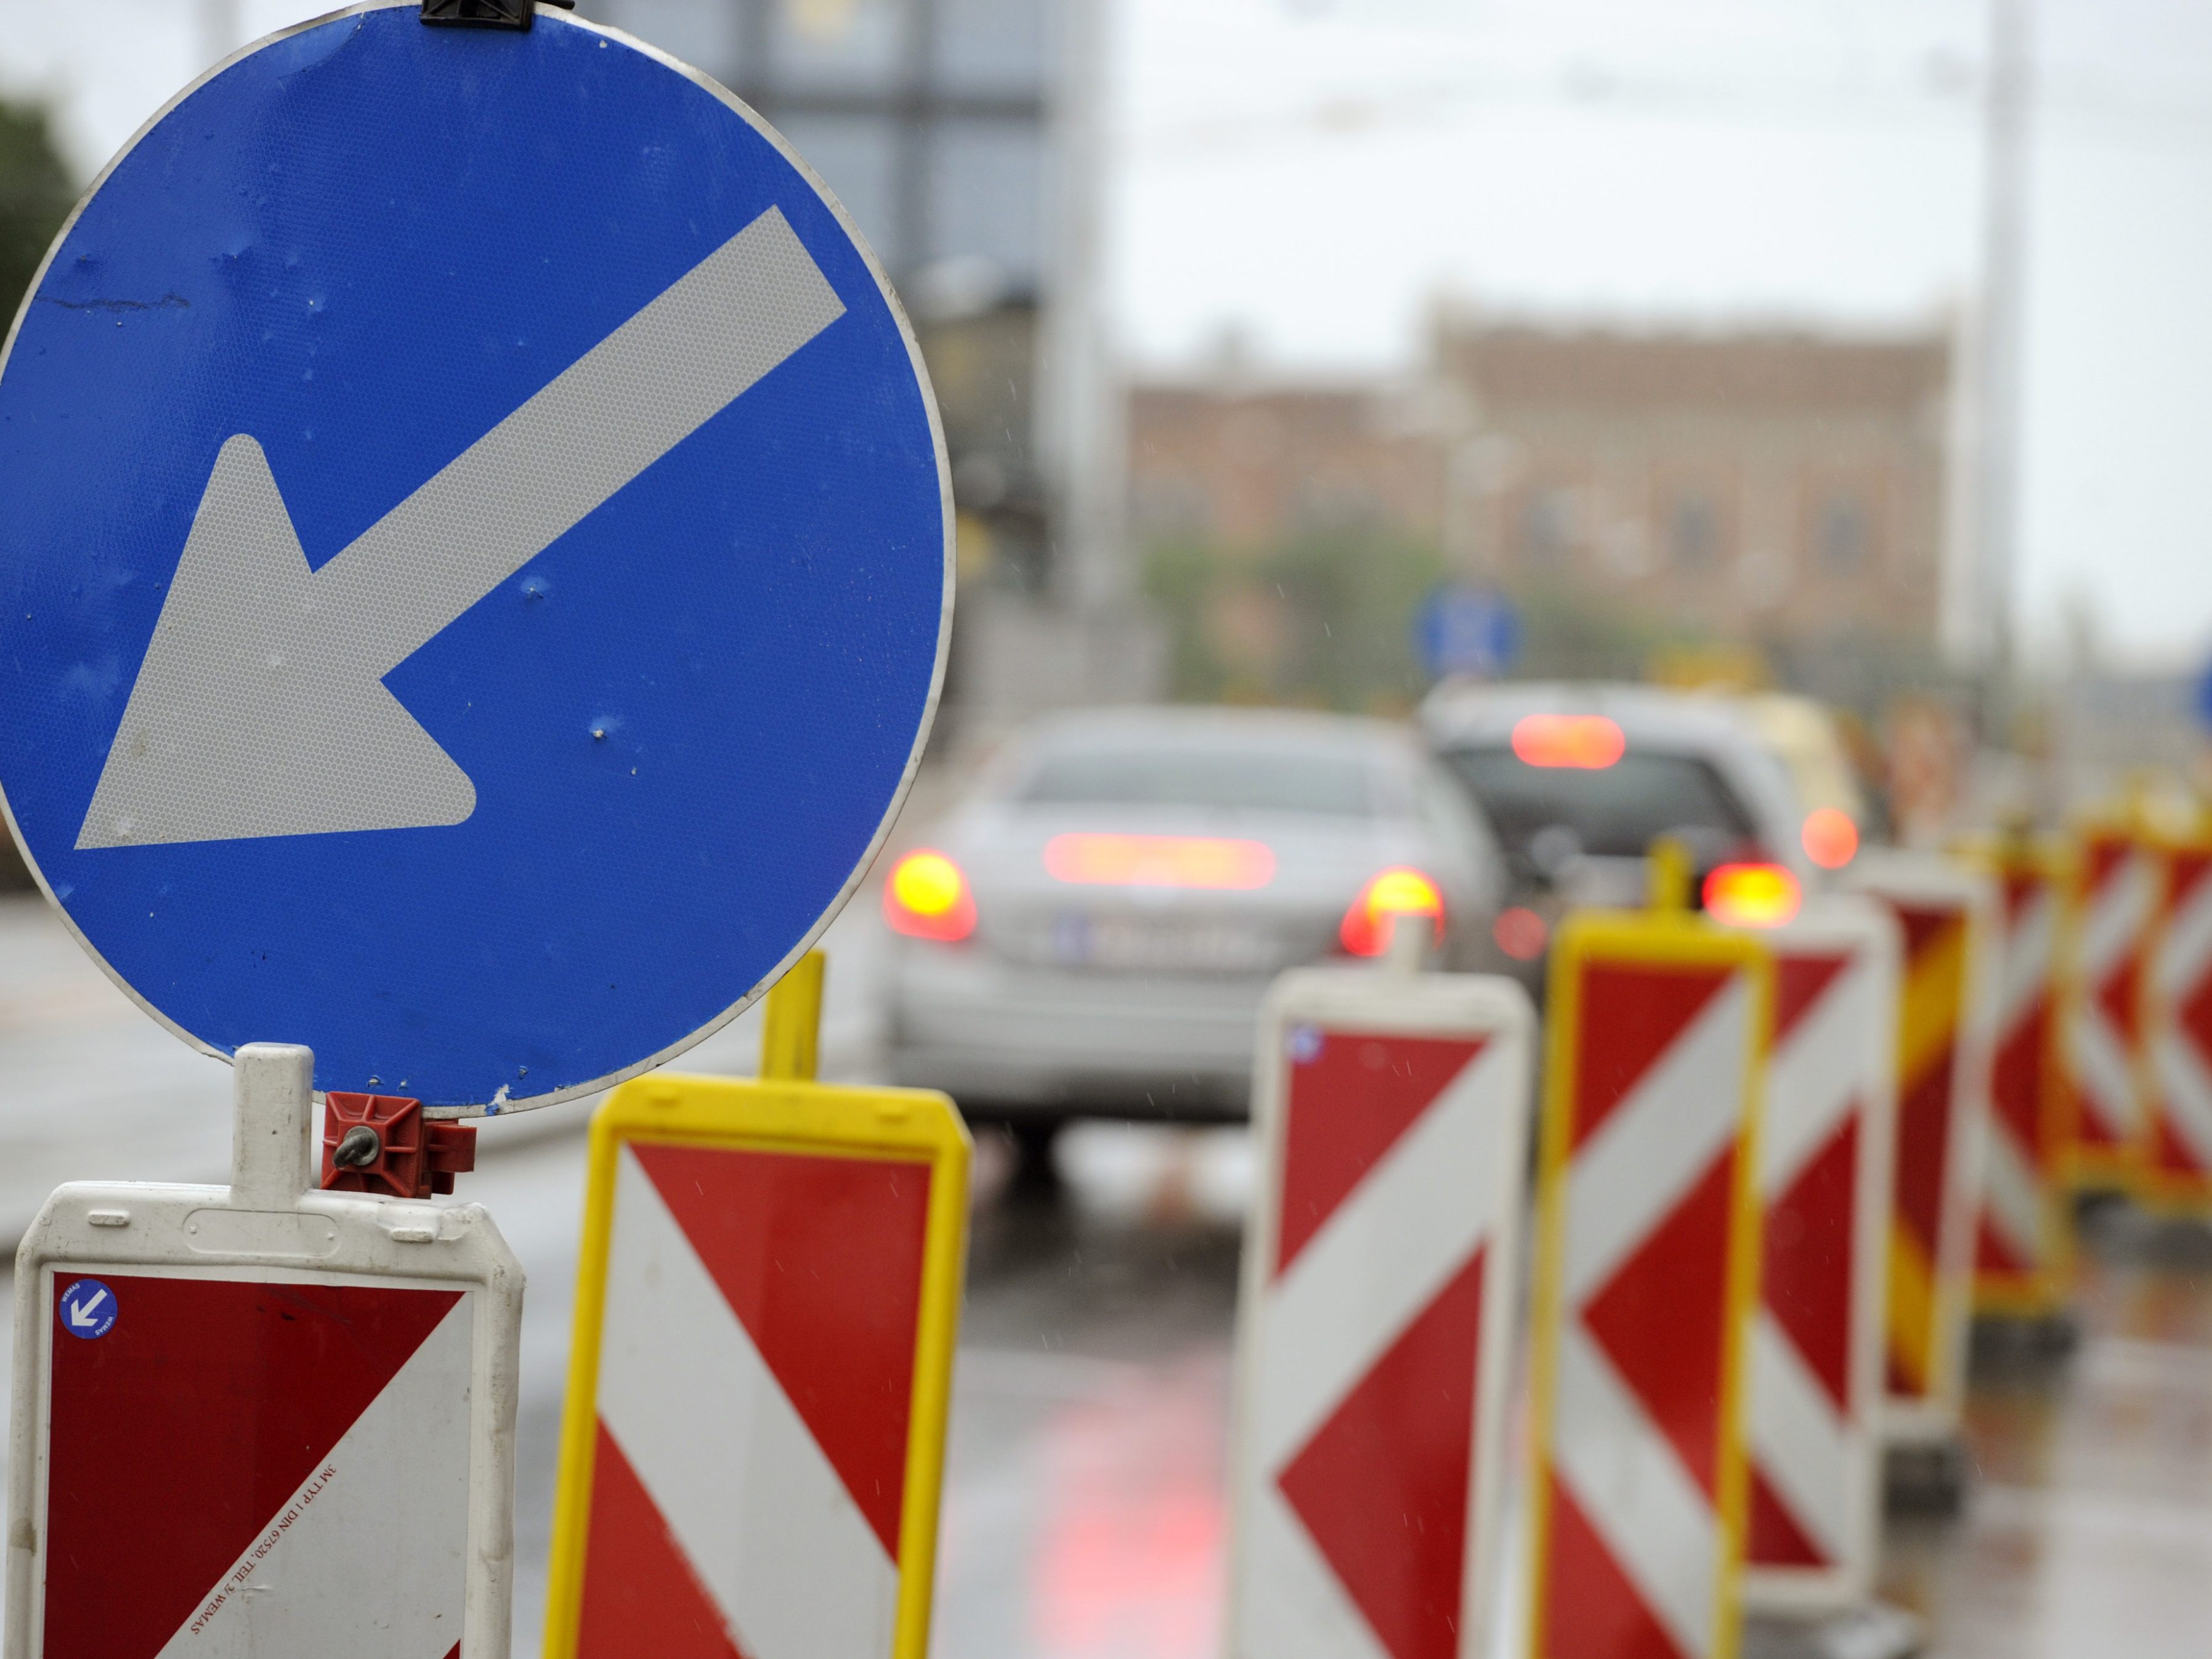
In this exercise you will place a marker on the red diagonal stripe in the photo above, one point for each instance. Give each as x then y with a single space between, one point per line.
1349 1103
1662 1319
641 1598
1776 1540
821 1259
1631 1016
1800 979
1591 1609
1383 1485
1923 1150
179 1434
1805 1279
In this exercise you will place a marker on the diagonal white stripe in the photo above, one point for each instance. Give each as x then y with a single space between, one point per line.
2185 951
1290 1604
2101 1067
388 1507
1658 1141
759 1512
2024 966
1816 1075
1808 1453
2187 1096
2011 1193
2117 912
1633 1489
1383 1256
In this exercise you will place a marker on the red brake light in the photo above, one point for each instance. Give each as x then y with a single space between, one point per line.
1590 742
1751 895
1160 861
1520 933
928 898
1400 891
1831 840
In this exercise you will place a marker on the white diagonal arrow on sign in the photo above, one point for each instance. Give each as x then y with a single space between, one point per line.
261 707
86 1313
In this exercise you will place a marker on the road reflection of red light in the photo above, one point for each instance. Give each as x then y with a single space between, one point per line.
1129 1552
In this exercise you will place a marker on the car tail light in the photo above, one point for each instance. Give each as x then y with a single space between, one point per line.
1520 933
928 898
1751 895
1590 742
1159 861
1831 840
1400 891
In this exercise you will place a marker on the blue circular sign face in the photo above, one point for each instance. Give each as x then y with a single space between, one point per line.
475 557
86 1309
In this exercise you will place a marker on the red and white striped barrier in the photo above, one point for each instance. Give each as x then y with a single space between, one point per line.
2177 1173
756 1402
1946 1020
1825 1149
2115 894
1376 1315
2021 1249
1646 1286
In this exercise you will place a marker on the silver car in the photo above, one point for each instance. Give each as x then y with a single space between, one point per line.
1091 931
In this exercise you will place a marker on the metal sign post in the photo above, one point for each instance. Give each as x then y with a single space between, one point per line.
261 1418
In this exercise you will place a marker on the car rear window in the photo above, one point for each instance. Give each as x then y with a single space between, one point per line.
1614 811
1223 780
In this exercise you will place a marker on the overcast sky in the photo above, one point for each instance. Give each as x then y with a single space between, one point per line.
1314 174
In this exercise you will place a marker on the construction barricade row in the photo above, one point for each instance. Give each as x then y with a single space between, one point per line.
2175 1173
1646 1279
2111 901
1376 1315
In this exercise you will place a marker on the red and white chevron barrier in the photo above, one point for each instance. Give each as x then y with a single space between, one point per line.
1646 1286
2177 1010
2114 896
1375 1317
2021 1247
757 1409
1825 1149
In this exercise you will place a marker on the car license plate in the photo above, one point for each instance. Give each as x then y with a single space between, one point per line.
1162 944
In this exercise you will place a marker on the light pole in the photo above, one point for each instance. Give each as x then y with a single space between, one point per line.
2004 257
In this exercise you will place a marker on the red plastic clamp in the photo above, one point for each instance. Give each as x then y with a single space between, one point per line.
383 1143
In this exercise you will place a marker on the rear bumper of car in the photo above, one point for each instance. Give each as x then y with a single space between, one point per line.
1014 1039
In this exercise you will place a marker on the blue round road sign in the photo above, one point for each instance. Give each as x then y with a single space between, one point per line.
475 557
87 1308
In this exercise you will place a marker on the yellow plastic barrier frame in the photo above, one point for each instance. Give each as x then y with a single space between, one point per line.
784 1111
1665 936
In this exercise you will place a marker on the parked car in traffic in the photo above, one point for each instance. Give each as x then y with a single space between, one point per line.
1091 930
1577 780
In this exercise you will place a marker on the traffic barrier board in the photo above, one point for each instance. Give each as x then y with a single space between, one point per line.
755 1426
1945 1023
2111 909
1377 1313
478 583
1825 1146
2023 1242
1646 1281
2177 1016
258 1418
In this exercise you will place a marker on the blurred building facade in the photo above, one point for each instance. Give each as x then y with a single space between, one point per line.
1789 489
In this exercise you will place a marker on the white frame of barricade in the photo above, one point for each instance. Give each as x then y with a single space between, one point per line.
350 1239
1391 1001
1928 877
1863 927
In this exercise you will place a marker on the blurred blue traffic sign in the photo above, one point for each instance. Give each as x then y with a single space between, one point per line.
1466 630
478 539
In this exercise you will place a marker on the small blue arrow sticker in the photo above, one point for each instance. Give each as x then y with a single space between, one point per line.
87 1309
